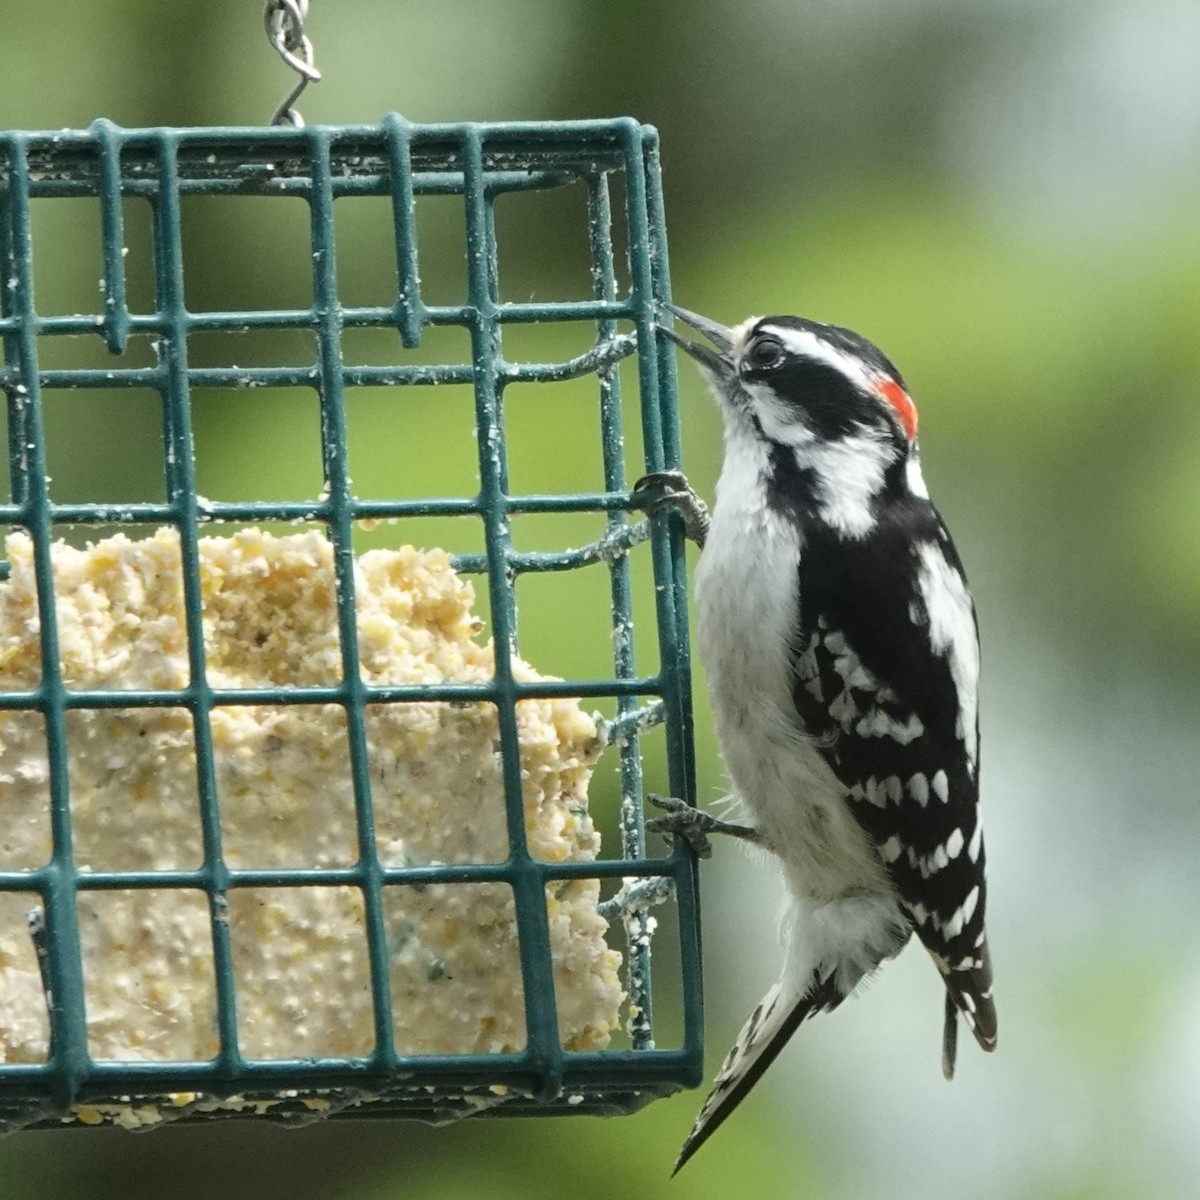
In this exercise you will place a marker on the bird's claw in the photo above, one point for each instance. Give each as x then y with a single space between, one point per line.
682 821
694 825
670 490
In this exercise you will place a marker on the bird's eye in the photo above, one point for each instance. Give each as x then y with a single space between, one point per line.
765 353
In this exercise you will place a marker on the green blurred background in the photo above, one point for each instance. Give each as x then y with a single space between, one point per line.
1005 196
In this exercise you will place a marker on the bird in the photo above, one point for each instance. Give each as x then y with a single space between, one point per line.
841 654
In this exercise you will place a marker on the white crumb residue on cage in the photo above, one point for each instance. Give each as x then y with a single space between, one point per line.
283 781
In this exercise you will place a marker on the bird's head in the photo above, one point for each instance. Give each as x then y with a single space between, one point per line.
800 382
824 415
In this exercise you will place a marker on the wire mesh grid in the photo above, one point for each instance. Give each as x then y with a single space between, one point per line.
477 164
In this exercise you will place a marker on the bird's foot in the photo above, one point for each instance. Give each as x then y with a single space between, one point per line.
694 825
670 489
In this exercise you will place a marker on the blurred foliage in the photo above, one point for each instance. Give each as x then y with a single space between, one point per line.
1004 197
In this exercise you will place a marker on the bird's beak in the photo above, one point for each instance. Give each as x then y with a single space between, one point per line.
720 364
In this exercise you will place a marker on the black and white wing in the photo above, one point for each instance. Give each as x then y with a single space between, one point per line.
885 681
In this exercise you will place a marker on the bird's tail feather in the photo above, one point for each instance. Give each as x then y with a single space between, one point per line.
969 991
777 1016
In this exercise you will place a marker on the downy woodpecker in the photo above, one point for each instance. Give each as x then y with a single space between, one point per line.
839 641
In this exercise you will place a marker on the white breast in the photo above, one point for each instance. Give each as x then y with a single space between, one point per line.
747 607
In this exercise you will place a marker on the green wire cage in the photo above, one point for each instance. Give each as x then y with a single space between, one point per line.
614 165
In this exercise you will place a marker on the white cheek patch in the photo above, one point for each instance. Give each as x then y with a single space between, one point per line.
781 422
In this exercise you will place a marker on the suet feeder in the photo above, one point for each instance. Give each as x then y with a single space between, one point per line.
249 940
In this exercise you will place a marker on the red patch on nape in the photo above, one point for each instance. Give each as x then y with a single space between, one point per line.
902 405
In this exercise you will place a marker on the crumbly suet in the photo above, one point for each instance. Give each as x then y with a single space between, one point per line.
283 780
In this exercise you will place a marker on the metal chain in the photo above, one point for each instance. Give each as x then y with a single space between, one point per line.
284 21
